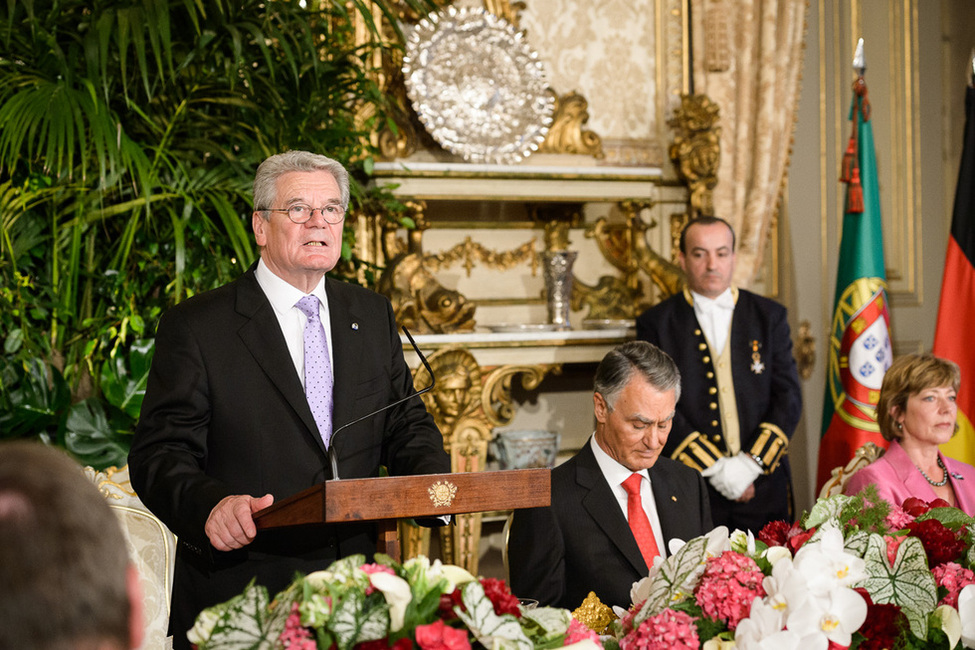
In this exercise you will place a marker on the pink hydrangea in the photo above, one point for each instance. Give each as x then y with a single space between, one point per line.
667 630
953 577
295 635
898 518
730 583
377 568
578 632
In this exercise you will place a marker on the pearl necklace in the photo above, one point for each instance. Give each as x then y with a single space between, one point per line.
944 478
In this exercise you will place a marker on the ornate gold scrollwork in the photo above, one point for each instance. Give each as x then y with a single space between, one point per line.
610 298
510 11
567 135
422 304
625 247
470 251
496 395
696 150
805 349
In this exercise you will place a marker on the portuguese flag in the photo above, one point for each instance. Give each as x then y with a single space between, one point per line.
956 312
859 350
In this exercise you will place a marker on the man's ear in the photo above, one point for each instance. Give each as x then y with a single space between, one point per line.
599 407
258 223
137 628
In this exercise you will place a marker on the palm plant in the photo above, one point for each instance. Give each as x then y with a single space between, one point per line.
129 135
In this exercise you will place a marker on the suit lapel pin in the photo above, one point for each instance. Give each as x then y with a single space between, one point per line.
757 366
355 326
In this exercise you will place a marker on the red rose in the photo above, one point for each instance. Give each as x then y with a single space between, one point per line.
798 537
915 507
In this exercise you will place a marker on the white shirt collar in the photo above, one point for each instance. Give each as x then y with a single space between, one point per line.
280 293
614 472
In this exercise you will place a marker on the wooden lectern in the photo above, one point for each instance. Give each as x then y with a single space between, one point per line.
387 499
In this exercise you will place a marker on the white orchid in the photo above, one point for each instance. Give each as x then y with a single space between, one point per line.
826 564
762 630
786 589
834 616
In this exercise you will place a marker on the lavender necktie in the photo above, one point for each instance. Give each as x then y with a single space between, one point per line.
318 368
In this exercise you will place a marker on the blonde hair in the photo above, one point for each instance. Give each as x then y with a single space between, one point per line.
909 375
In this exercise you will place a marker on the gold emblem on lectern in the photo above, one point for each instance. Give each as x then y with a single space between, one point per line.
442 493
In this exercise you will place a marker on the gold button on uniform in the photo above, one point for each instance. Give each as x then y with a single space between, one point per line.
714 423
716 438
702 346
706 359
710 375
712 390
713 405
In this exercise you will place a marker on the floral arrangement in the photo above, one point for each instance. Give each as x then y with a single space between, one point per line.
354 605
853 572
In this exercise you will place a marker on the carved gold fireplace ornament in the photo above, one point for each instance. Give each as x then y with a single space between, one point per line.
696 150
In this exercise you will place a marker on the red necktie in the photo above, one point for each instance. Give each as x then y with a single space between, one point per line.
639 522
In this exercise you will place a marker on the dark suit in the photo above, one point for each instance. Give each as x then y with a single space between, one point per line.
767 393
225 414
582 542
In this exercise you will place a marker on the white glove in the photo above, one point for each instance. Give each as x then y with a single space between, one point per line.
733 475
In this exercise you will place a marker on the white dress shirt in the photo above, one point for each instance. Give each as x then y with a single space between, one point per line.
715 315
615 474
283 298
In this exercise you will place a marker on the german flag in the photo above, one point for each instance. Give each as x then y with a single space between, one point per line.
956 312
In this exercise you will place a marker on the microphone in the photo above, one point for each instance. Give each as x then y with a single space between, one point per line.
332 459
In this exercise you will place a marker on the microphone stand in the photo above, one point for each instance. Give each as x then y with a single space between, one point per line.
332 458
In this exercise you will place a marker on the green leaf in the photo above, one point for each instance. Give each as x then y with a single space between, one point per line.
675 578
359 618
124 378
242 623
907 584
491 630
89 435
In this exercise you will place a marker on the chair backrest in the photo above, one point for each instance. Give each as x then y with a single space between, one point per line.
863 456
151 546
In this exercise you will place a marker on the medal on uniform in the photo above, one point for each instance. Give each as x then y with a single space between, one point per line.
757 366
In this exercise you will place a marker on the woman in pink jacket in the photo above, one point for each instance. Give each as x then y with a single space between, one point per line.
917 412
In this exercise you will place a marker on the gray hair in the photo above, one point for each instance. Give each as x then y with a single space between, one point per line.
619 364
268 172
63 559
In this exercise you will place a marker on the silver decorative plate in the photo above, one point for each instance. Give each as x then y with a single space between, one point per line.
521 328
477 86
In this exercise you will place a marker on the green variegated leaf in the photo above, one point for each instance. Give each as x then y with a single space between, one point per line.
243 623
546 626
676 577
359 618
492 631
826 509
907 584
856 543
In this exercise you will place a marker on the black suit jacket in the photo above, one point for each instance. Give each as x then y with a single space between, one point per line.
224 413
582 542
768 396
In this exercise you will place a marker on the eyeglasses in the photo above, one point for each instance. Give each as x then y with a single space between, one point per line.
300 213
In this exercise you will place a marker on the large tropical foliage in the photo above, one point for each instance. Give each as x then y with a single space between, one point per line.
129 135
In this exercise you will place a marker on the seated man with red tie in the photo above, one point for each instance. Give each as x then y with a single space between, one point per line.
615 504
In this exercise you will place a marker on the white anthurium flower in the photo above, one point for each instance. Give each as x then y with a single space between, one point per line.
714 643
762 630
826 564
950 623
456 576
776 553
397 593
585 644
832 617
966 612
786 589
743 542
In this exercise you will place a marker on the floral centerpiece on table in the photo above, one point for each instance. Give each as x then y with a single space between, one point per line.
853 572
357 606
